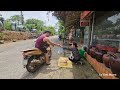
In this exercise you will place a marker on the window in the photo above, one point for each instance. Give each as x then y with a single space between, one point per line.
107 32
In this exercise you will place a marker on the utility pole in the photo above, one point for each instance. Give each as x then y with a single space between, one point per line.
2 21
22 18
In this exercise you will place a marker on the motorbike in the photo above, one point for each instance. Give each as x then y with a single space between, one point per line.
33 59
59 37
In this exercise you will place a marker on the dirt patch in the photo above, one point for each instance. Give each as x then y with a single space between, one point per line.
8 36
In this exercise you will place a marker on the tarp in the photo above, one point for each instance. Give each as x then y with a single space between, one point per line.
64 62
85 14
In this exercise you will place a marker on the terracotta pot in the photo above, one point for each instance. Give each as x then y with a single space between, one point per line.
92 53
111 49
99 56
89 50
115 66
106 59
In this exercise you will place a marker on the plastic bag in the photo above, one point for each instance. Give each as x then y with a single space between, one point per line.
71 56
60 50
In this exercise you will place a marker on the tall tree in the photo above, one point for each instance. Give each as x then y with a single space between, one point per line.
51 28
16 18
34 24
2 21
60 27
8 24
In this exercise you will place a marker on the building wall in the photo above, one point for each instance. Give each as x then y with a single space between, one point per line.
88 29
88 32
107 32
86 36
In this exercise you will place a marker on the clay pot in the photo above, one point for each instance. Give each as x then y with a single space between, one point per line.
92 53
106 59
115 64
99 56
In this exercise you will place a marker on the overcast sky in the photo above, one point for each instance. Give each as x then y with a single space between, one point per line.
41 15
114 18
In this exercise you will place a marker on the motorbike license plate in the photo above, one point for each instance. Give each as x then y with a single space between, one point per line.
25 62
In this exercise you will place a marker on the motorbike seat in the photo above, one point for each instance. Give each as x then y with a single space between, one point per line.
34 51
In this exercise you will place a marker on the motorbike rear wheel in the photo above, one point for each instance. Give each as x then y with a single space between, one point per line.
31 68
36 67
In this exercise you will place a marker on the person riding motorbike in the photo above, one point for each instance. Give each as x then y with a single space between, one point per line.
43 43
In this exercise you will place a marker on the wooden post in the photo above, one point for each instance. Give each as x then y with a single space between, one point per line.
92 29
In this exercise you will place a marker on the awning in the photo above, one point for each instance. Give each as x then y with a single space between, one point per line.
85 14
84 18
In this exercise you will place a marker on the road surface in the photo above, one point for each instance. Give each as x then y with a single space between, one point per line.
11 64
